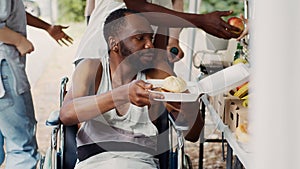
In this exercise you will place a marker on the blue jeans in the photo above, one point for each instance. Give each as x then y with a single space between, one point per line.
1 149
17 125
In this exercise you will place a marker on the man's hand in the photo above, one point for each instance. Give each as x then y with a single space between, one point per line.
139 94
213 24
16 39
24 46
56 31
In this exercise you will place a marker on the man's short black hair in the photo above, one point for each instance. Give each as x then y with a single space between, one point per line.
115 21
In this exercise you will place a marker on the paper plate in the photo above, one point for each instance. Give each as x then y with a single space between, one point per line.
192 96
212 85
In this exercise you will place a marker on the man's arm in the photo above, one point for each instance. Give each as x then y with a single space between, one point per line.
191 112
82 103
187 113
55 31
211 23
11 37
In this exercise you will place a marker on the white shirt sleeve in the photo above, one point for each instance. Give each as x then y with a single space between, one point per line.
5 6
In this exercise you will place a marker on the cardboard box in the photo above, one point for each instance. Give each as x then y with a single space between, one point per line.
230 109
235 113
219 104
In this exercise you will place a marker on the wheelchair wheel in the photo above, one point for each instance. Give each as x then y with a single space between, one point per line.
41 162
187 164
45 162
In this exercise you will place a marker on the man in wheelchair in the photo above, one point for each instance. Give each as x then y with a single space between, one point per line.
110 98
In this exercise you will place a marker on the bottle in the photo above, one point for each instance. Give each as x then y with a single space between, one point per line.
239 52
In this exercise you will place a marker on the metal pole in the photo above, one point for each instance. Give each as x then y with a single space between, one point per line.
193 8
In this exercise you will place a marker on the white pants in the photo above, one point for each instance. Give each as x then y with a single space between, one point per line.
116 160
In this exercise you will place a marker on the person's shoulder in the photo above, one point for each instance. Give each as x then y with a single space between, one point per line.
88 66
90 62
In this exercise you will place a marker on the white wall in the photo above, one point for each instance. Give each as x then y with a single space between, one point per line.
275 84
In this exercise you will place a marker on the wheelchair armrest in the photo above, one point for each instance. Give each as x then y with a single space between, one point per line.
178 125
53 119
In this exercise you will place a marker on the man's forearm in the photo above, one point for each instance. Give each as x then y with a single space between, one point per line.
156 16
9 36
196 126
36 22
83 108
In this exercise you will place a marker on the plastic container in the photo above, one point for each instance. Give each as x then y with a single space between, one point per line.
224 80
214 43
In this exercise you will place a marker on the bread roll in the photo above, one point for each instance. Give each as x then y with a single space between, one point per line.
174 84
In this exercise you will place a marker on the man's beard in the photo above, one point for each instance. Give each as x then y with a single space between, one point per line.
125 51
134 58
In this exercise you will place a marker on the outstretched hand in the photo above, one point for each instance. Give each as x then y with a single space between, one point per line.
213 24
57 33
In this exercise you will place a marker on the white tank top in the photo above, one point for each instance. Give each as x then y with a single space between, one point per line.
133 127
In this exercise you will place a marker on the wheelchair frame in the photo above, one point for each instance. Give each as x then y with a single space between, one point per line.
55 155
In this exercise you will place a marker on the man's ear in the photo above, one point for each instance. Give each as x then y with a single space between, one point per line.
113 44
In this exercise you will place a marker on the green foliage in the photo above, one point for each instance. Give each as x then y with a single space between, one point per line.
71 10
237 6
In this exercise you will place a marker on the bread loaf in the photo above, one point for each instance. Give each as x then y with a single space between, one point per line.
174 84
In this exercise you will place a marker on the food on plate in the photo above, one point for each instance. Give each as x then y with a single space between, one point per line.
174 84
237 22
241 133
239 60
242 91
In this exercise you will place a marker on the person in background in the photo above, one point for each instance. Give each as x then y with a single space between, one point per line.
17 118
112 100
89 7
211 23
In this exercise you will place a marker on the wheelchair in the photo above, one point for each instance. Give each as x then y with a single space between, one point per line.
62 151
